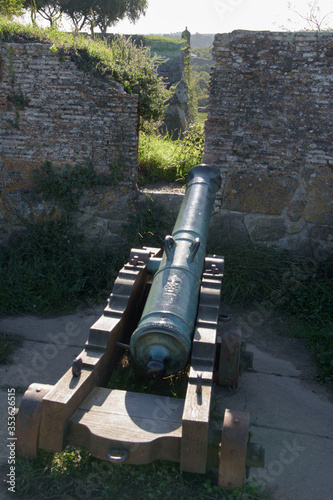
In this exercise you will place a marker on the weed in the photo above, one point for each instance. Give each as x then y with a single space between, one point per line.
320 341
130 377
190 150
19 100
156 158
127 63
301 289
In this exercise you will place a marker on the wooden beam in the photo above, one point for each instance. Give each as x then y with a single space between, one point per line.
144 427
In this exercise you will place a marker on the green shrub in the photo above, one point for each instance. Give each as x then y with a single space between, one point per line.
47 269
190 150
163 159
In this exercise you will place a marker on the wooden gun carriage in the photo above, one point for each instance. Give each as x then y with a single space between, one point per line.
165 310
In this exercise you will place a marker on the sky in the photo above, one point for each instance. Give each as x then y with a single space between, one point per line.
220 16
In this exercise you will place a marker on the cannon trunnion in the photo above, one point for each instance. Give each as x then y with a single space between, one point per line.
177 325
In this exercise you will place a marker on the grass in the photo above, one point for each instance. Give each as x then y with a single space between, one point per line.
74 474
130 377
300 289
156 158
48 269
164 159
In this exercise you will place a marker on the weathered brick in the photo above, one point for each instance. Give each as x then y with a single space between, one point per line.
270 126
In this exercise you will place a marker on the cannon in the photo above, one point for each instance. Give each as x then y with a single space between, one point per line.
163 309
163 338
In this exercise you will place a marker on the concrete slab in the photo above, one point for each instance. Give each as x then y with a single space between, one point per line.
279 402
72 329
38 362
264 363
298 466
49 347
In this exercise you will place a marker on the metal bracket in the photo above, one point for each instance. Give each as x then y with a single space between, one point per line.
214 265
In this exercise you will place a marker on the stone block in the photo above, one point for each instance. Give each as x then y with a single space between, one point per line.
227 230
109 202
263 228
321 241
264 193
298 244
319 204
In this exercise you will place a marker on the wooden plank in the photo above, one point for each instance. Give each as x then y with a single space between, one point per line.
147 426
235 435
194 445
70 391
134 404
195 429
59 404
28 420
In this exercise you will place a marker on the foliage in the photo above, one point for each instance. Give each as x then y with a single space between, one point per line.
47 269
163 159
122 59
130 377
19 100
50 11
50 268
319 339
202 52
137 70
75 474
190 150
96 13
161 41
201 73
146 225
11 7
108 13
66 185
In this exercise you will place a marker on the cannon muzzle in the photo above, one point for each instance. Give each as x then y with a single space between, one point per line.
162 341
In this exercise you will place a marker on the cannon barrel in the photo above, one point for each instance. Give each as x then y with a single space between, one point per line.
161 343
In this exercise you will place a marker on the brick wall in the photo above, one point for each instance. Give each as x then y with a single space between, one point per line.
50 109
269 130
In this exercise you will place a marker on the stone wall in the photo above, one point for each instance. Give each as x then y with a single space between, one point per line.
269 131
50 109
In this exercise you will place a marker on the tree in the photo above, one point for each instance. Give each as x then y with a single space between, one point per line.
102 13
47 9
314 18
11 7
109 12
80 12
